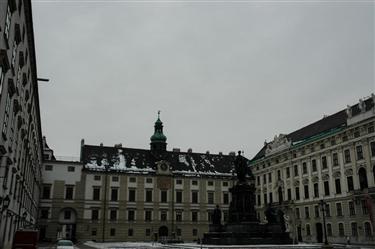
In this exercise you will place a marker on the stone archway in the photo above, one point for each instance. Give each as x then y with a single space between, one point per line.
67 221
363 183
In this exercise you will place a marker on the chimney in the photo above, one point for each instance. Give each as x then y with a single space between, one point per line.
208 152
101 144
82 142
232 153
118 145
220 153
176 150
190 150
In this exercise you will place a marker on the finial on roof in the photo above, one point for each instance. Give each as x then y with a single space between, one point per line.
159 114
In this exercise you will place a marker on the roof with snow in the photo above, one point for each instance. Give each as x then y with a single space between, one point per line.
98 158
324 126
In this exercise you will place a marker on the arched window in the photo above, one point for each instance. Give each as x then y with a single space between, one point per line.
329 229
341 230
362 178
368 232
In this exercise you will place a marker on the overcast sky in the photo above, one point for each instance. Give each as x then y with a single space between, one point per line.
225 75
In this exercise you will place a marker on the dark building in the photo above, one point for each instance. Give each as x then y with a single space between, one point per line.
20 139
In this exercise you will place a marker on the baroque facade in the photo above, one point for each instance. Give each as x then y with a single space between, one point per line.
21 138
126 194
330 164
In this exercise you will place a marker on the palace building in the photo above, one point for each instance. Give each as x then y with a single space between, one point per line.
21 136
125 194
329 163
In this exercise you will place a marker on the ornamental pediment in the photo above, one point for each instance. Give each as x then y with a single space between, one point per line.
279 143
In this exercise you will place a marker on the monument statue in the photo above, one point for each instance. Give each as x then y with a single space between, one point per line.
216 216
243 226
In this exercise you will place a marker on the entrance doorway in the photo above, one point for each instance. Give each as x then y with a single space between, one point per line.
67 221
319 232
163 231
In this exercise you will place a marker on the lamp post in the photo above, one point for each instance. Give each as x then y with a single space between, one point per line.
323 205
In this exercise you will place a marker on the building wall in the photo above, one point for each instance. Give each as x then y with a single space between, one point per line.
358 135
121 228
20 139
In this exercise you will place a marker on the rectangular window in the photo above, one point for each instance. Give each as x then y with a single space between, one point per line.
347 156
264 179
324 162
328 210
225 198
210 183
317 213
289 194
308 230
178 182
338 186
354 229
359 152
306 190
46 192
178 216
335 159
258 180
351 208
258 200
48 167
364 207
96 194
194 182
316 190
69 192
114 194
225 184
94 214
148 232
6 116
178 196
295 170
113 214
148 215
265 198
131 215
132 195
313 163
195 232
163 215
288 172
298 216
326 188
67 214
269 177
372 147
304 168
341 230
349 180
71 168
114 178
130 232
210 197
297 193
163 196
338 209
278 174
112 232
132 179
194 197
148 180
97 178
271 199
194 216
148 195
307 212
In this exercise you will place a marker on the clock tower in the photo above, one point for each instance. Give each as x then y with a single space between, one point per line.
158 140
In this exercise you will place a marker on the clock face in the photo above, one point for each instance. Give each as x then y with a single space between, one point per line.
164 166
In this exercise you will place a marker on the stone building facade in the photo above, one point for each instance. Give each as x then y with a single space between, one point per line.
21 138
331 160
125 194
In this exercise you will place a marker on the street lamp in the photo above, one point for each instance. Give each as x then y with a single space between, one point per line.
323 205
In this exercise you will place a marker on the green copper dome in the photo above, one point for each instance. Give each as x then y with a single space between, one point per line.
158 134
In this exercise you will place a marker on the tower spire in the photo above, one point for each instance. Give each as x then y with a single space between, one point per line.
158 139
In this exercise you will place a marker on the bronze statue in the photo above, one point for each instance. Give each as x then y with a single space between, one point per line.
216 216
241 167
